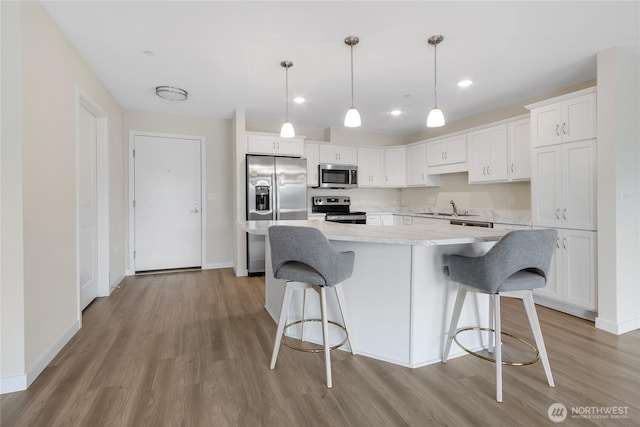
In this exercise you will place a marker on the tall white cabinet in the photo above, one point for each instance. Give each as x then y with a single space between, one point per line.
563 196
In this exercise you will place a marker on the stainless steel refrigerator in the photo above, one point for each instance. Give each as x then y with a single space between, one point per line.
276 190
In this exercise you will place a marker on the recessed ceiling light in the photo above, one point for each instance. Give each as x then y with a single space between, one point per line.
465 83
396 112
299 100
149 53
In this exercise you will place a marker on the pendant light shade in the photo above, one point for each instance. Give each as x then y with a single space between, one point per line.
352 118
287 130
435 118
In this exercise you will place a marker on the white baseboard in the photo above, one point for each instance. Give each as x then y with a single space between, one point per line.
22 382
217 265
116 283
13 384
240 273
617 328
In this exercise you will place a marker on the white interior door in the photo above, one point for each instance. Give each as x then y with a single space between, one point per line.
167 205
87 208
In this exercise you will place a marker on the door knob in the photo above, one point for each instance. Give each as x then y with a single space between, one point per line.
194 210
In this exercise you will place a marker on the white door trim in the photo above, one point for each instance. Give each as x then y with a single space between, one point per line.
102 193
203 192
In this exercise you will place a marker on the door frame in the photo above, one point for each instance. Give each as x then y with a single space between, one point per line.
203 192
82 100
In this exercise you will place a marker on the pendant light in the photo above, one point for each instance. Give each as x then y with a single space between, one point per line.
435 118
287 128
352 118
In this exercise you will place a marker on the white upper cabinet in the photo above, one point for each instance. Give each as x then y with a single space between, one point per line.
339 154
519 150
395 166
259 143
447 151
563 185
312 153
417 167
488 154
564 119
370 167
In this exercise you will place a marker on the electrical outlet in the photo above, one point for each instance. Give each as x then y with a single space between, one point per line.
510 200
211 196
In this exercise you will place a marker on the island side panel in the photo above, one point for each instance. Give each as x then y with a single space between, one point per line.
433 298
378 296
379 299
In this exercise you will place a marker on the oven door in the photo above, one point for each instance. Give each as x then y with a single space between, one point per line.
337 176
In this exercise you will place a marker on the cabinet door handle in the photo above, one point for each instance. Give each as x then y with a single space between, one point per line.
564 243
564 128
558 242
558 214
557 130
512 170
488 171
446 155
442 155
564 213
484 170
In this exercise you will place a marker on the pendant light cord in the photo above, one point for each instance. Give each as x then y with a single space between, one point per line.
351 76
286 95
435 75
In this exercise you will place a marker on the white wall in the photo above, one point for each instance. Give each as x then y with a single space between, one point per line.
219 152
50 72
12 346
618 190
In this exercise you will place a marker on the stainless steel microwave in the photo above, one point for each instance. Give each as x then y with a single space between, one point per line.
337 176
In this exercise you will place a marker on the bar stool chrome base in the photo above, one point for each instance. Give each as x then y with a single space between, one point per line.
491 359
316 350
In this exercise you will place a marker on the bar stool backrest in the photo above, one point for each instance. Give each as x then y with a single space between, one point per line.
307 245
519 250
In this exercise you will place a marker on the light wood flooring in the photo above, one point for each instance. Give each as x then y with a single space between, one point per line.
193 349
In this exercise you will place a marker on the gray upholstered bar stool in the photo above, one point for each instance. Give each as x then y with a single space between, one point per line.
518 263
304 258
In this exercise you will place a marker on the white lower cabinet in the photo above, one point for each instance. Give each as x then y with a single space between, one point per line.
379 219
573 276
421 220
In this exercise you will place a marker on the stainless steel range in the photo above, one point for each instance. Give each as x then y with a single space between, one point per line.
337 209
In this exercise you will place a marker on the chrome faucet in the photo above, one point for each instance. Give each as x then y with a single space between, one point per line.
455 208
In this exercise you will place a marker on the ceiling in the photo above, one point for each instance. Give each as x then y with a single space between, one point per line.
227 54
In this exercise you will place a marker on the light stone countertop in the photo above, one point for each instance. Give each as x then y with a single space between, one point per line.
519 217
422 235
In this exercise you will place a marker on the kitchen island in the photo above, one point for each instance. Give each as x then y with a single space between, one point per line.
399 299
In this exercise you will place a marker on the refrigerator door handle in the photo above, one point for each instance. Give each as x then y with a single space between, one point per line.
274 186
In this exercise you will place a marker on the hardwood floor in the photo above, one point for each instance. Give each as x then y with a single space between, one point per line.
193 349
